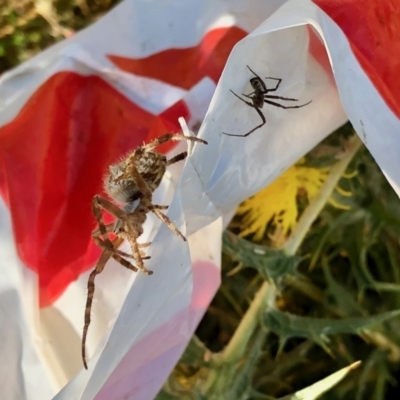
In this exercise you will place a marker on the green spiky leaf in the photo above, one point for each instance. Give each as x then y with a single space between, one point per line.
289 325
271 263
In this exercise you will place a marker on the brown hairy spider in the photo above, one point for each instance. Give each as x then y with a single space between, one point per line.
131 182
260 96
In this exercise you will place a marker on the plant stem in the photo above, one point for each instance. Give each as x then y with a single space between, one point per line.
226 361
237 345
383 342
318 203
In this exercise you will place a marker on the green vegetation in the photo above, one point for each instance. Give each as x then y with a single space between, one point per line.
285 318
29 26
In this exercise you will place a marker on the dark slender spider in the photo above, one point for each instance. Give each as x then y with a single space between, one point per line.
260 96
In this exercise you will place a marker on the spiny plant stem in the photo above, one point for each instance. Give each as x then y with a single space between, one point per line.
237 345
225 363
318 203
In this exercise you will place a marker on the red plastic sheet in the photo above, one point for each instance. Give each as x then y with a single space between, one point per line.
186 67
59 146
372 28
54 154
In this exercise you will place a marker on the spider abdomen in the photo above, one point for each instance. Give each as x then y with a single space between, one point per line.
119 183
151 166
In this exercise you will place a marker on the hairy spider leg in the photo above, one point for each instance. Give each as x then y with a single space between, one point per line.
146 201
167 221
140 182
99 203
171 136
102 203
110 228
177 158
105 256
98 269
160 207
100 243
132 239
258 112
110 250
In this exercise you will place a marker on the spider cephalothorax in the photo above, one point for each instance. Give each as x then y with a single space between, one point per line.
260 96
130 183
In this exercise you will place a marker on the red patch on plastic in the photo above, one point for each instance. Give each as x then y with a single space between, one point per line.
373 30
186 67
53 156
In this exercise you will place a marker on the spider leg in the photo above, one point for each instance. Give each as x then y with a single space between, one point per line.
256 100
268 96
99 203
138 257
144 189
177 158
105 256
105 243
100 243
277 85
142 253
143 256
244 101
140 182
117 241
167 222
268 77
124 263
254 74
160 207
108 227
273 103
258 112
171 136
115 244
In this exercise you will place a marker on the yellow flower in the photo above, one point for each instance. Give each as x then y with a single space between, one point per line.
277 203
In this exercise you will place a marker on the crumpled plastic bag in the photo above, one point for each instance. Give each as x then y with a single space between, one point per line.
75 108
